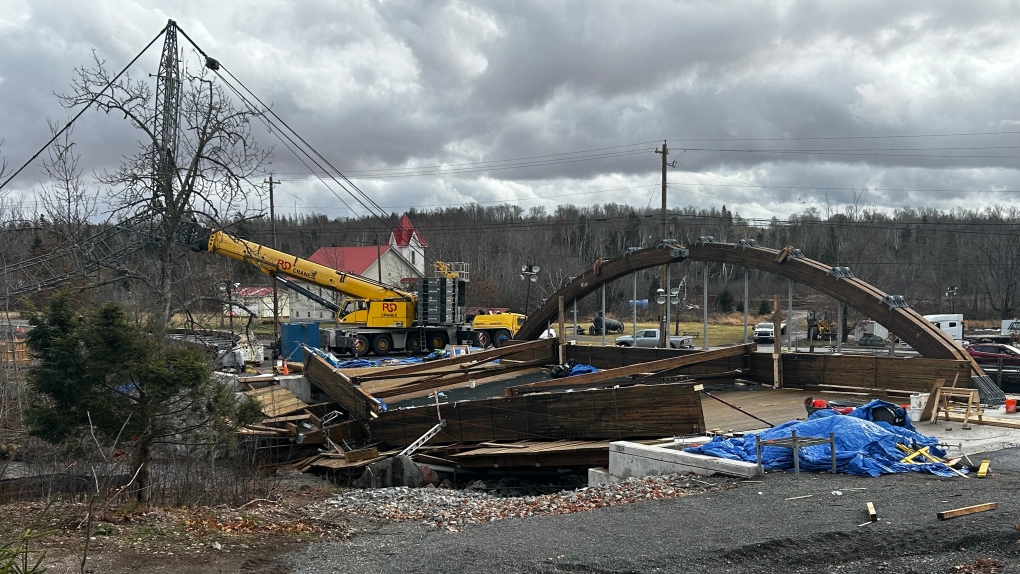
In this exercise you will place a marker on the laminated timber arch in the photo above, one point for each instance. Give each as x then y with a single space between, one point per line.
910 326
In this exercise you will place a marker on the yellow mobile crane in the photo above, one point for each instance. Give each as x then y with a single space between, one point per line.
371 316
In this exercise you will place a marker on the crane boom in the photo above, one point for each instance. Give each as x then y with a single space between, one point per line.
373 316
273 262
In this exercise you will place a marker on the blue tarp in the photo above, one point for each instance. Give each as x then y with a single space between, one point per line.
863 447
354 363
582 370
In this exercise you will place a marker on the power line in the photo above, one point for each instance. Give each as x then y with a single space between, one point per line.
831 138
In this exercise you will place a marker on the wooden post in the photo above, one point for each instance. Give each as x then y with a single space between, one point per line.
777 351
563 338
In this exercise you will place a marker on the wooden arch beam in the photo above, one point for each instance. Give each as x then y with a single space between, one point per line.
906 323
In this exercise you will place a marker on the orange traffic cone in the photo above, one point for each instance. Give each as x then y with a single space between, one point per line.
285 371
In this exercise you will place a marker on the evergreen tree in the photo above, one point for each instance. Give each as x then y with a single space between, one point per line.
724 302
98 375
765 307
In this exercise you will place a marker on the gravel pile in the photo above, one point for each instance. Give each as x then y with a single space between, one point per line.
453 510
777 524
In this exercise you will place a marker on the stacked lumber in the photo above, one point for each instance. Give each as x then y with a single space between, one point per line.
288 417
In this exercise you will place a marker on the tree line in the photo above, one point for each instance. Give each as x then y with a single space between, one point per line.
917 253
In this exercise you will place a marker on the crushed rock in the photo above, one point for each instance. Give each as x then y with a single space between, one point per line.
453 510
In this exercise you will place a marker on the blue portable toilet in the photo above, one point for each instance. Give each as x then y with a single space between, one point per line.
293 335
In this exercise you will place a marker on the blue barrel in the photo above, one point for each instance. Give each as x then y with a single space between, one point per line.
293 335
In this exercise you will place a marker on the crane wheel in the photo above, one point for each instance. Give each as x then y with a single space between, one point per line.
500 333
360 346
435 340
483 338
382 345
413 343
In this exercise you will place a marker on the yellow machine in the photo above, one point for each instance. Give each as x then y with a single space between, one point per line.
492 328
820 328
371 316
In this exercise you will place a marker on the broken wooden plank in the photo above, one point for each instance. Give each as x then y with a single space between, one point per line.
872 514
470 357
361 454
456 378
353 400
289 418
505 446
931 403
623 372
946 514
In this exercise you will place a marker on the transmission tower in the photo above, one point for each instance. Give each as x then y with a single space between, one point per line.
166 120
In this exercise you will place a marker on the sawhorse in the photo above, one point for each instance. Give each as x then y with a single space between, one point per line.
942 396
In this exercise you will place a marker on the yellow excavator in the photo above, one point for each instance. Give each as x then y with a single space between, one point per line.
371 316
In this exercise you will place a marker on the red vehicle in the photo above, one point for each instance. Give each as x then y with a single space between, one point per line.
991 353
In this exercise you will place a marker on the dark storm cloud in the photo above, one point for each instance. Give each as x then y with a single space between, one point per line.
408 84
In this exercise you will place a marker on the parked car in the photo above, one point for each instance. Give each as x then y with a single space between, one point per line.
650 338
871 340
764 333
991 353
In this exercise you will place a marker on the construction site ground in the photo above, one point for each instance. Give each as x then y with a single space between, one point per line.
815 523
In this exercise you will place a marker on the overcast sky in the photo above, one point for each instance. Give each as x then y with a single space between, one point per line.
768 108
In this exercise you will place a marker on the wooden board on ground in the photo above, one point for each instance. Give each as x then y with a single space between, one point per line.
986 420
946 514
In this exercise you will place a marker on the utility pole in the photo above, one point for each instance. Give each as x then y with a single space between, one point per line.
664 331
276 291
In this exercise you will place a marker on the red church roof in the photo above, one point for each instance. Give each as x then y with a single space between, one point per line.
405 231
355 260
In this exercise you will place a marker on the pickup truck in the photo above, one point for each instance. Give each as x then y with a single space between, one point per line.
766 333
650 338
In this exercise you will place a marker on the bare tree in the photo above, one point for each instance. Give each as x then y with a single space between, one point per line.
215 171
66 200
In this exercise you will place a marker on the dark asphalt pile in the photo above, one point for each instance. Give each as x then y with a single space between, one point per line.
817 523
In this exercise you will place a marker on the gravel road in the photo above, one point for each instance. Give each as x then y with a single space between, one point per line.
817 523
